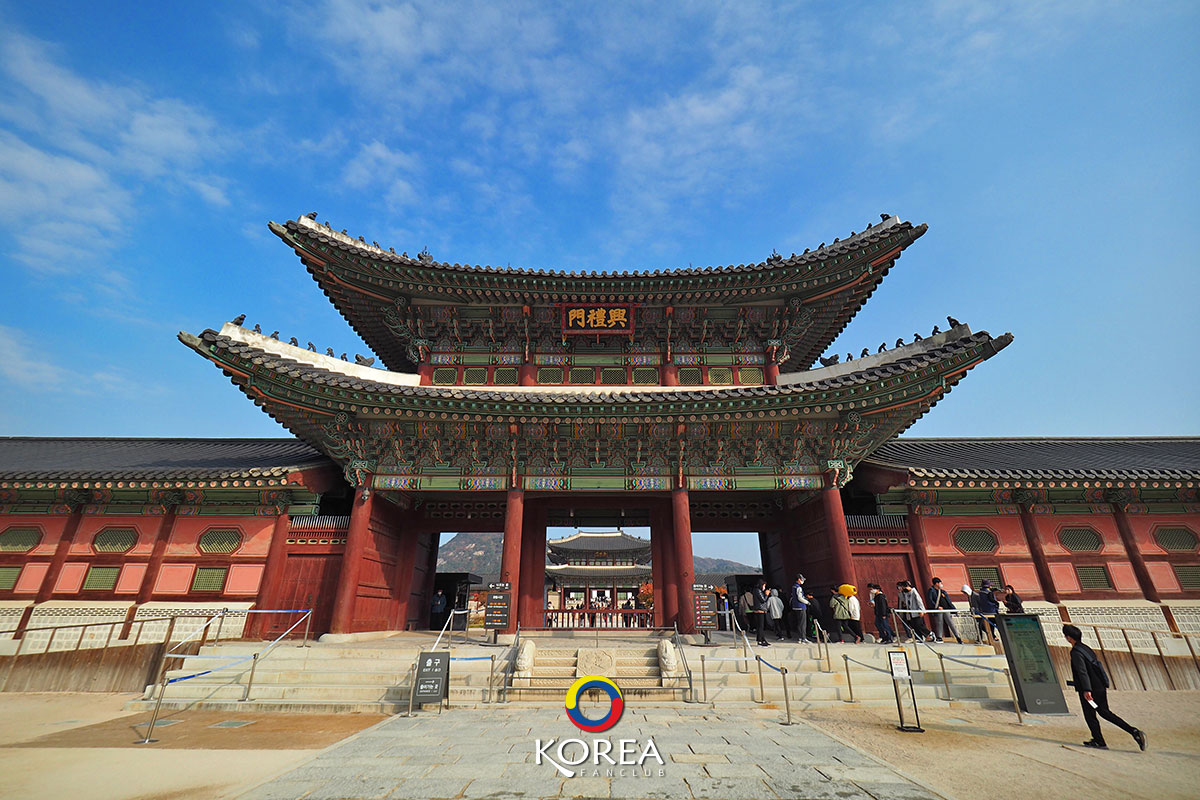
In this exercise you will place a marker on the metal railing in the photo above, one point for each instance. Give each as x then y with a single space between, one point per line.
603 618
691 689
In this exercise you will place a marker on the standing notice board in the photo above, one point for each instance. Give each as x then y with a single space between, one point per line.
706 607
433 677
496 609
1029 662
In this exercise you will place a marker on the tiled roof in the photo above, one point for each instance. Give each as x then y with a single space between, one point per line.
598 571
47 458
1139 458
608 542
300 366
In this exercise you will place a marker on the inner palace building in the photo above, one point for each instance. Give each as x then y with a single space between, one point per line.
514 400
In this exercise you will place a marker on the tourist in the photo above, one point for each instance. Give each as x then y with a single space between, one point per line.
744 607
883 612
815 610
775 613
911 609
842 617
1091 682
437 609
988 605
1012 601
851 594
799 604
759 612
628 615
940 605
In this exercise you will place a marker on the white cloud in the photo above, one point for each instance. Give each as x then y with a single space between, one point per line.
377 165
80 150
21 367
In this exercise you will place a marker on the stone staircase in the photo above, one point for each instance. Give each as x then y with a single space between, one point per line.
323 678
372 676
811 683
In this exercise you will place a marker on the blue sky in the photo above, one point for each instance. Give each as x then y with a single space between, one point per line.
1051 147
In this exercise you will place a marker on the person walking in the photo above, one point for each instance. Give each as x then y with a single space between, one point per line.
851 595
911 610
759 613
775 614
883 612
799 604
938 602
1012 601
988 605
841 616
1091 683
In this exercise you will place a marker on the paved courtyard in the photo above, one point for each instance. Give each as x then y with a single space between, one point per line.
490 754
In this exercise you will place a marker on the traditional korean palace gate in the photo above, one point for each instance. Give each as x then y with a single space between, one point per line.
684 399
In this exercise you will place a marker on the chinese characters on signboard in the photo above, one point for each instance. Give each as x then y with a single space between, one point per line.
597 318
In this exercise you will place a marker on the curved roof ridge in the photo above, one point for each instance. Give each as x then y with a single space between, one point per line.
374 250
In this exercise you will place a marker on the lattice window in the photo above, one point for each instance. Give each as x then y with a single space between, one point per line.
101 579
115 540
980 574
645 376
220 540
19 540
1079 540
1093 577
1180 540
8 578
505 376
474 376
690 376
1188 575
612 376
750 376
445 376
584 375
975 540
209 579
720 376
549 375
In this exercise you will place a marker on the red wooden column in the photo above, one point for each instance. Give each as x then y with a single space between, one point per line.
408 536
532 603
1131 549
666 595
839 537
670 375
352 558
772 372
1037 553
527 374
425 373
920 546
656 575
681 519
510 554
157 554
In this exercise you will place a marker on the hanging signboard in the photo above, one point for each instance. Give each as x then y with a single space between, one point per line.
597 318
433 678
1030 664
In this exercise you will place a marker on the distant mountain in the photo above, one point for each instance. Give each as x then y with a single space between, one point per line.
480 553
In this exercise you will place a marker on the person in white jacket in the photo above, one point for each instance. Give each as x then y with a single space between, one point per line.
775 613
855 617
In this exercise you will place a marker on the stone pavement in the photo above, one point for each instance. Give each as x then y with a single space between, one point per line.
489 753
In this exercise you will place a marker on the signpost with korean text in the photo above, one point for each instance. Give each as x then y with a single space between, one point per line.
898 665
706 608
432 681
498 606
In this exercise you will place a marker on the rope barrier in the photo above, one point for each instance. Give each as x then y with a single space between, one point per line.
471 658
769 664
236 662
960 661
868 666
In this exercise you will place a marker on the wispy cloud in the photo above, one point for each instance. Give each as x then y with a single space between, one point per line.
80 150
27 366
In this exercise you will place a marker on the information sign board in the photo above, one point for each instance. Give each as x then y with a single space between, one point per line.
433 677
496 610
706 610
898 661
1030 664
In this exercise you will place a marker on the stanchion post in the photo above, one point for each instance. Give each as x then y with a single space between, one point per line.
703 678
849 683
945 679
154 717
1013 689
250 680
307 627
787 701
1133 658
917 650
220 625
491 677
412 686
762 693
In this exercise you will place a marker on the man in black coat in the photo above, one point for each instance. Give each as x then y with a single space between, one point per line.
1090 681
